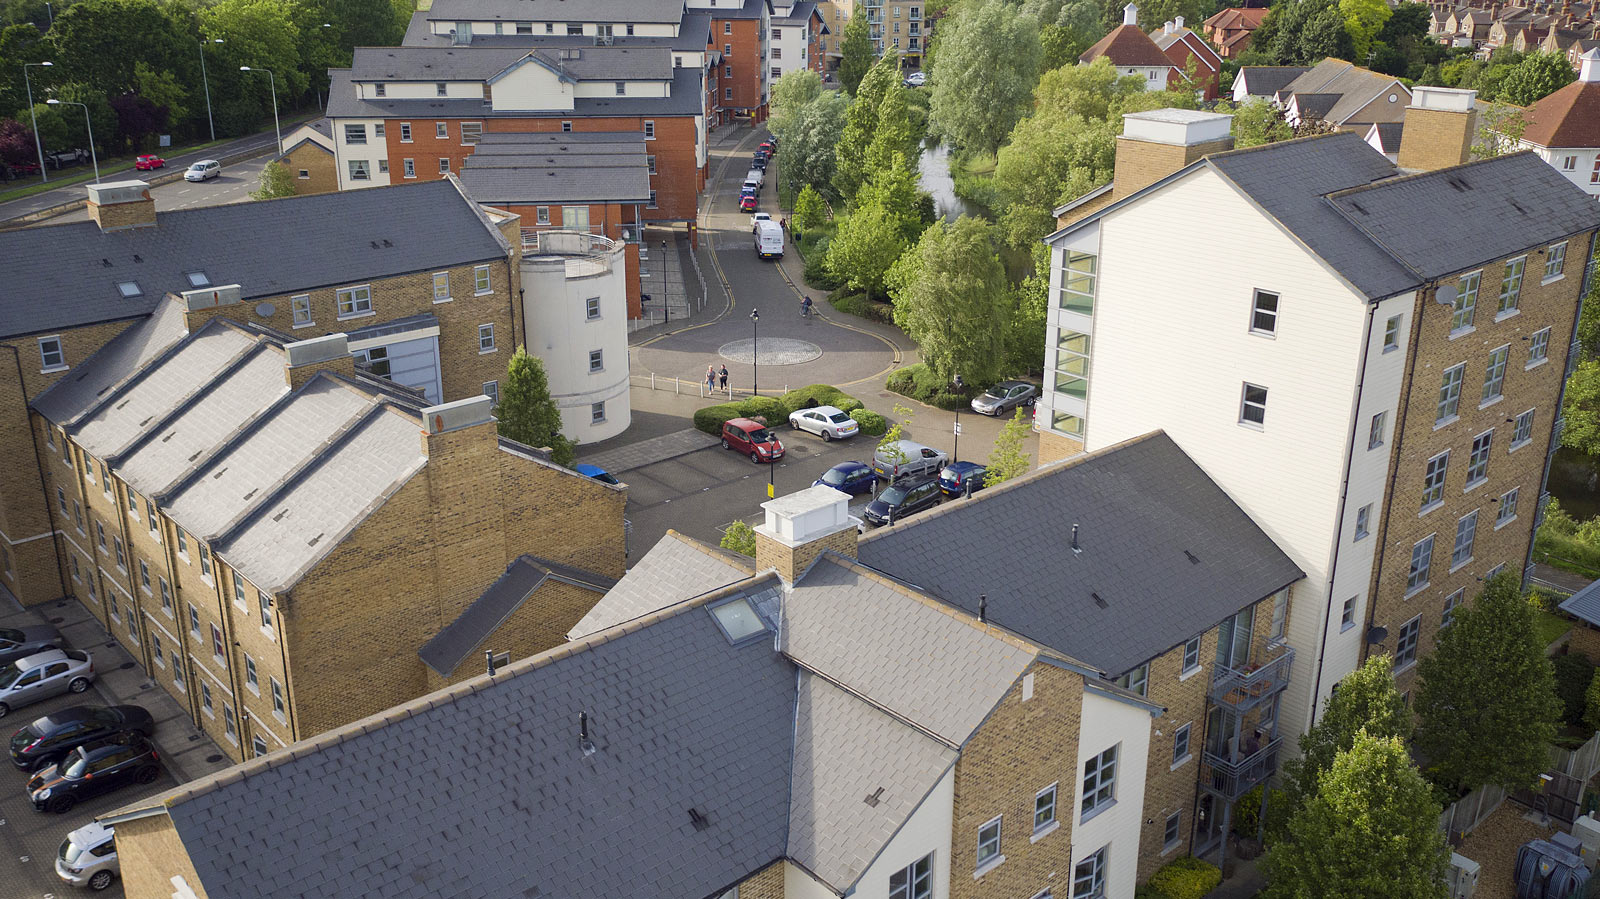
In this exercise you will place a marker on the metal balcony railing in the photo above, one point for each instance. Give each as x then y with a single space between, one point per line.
1231 776
582 254
1245 688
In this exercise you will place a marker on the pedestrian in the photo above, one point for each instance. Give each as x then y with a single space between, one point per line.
722 376
711 378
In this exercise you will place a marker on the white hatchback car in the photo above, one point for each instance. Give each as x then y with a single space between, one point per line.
204 170
828 422
88 857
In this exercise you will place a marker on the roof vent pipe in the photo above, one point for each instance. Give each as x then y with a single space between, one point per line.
584 743
1075 547
983 608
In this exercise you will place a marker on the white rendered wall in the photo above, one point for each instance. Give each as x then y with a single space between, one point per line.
927 830
1172 348
374 151
608 89
560 333
1582 164
1108 722
417 90
531 86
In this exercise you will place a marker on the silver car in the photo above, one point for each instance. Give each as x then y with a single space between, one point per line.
16 643
43 675
827 422
907 457
1005 396
88 857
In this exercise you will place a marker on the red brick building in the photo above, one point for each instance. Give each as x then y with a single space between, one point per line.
741 45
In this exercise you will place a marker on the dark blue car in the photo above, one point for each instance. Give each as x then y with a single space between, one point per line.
962 478
848 477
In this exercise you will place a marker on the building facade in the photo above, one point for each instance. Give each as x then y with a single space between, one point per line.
898 26
1563 129
798 31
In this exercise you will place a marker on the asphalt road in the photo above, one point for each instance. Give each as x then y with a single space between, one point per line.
232 186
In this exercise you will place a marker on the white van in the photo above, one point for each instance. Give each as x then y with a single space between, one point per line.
769 239
756 175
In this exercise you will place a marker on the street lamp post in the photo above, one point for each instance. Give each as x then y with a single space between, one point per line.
87 124
51 13
37 147
955 453
204 80
272 81
755 372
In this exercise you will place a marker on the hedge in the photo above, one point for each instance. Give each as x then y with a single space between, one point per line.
920 383
1183 878
1573 674
823 394
859 305
775 410
872 424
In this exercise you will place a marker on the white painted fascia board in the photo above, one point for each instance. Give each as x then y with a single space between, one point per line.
385 340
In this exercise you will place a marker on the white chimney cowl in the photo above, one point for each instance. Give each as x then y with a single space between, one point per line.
1166 27
1177 23
1130 15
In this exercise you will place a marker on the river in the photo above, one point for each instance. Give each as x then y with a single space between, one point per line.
933 169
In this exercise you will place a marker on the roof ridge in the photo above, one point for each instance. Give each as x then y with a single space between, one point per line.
121 387
258 345
898 718
105 348
425 703
713 552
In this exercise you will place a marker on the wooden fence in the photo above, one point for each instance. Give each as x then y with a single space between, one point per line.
1568 766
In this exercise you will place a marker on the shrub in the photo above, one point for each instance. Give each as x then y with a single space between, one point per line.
741 538
1247 812
817 272
1545 601
764 408
872 424
1186 878
822 394
1574 673
920 383
711 418
859 305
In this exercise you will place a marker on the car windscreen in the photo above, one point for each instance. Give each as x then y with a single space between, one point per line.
839 418
73 766
997 392
760 435
833 477
70 851
198 167
893 496
7 635
9 675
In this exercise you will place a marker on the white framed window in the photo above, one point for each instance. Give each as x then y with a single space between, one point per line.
471 133
1180 745
377 130
1522 430
100 532
989 844
1363 521
258 745
1538 348
205 699
1508 508
1375 432
597 412
480 280
359 170
1089 876
1280 615
597 360
621 88
441 130
444 165
51 356
1478 461
491 389
1465 308
279 707
1494 374
1099 782
217 648
1264 313
144 576
166 594
177 672
409 167
486 339
1433 480
1450 603
649 130
1405 651
1137 680
1450 393
591 309
241 595
122 563
205 562
228 728
383 166
1494 571
566 127
194 621
183 544
1172 832
650 164
441 287
405 132
264 602
1391 333
300 308
1044 809
1421 561
1555 260
1466 536
1347 617
356 134
354 301
1253 405
440 90
727 27
150 517
914 881
1569 163
651 203
1191 655
105 478
251 678
542 215
1511 285
156 653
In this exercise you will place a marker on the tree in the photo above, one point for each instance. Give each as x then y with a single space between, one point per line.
896 132
162 89
739 537
861 125
1256 122
984 74
807 153
276 182
1030 308
1301 33
1366 701
1066 29
98 43
256 33
1370 830
1581 409
526 412
1007 460
889 443
808 209
52 126
137 118
16 142
790 94
1363 19
855 49
1537 75
1487 702
867 242
101 116
951 297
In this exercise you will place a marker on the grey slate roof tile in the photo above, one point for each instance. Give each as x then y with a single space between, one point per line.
1139 506
674 570
1585 604
655 11
1264 81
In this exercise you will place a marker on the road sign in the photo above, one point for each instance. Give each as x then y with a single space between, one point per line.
770 492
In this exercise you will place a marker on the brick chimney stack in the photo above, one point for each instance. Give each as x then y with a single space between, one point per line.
304 358
1157 143
801 526
205 303
1441 123
120 205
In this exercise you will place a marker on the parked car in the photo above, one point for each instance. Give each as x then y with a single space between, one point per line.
751 438
759 162
47 740
828 422
88 857
1005 396
59 158
848 477
757 176
962 478
149 163
906 496
916 79
90 770
43 675
768 146
18 642
769 240
757 219
747 203
204 170
596 472
912 459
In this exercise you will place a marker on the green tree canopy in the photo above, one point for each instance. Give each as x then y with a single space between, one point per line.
1008 460
861 125
1366 701
790 94
808 209
855 50
98 42
951 297
1363 19
1487 702
866 243
807 151
276 181
1302 33
1536 76
526 412
1371 830
1580 407
984 73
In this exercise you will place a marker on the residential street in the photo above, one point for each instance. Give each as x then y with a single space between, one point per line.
232 186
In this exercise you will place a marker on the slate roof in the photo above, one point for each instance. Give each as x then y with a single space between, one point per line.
1569 117
269 248
685 98
694 30
1389 134
1353 86
940 671
1315 106
1127 45
1265 81
641 11
521 580
548 168
675 569
1140 506
1584 605
431 63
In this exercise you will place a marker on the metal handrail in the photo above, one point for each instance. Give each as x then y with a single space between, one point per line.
1233 778
1241 690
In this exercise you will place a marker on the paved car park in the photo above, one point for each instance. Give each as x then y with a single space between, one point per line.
232 186
29 839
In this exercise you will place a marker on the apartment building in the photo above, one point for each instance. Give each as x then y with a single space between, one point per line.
308 155
1563 129
898 26
834 13
1377 382
423 282
741 39
798 31
232 504
1191 54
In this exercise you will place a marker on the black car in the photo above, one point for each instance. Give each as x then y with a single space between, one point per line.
17 643
94 769
48 739
760 162
904 497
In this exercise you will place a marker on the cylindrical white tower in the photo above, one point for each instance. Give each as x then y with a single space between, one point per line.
575 304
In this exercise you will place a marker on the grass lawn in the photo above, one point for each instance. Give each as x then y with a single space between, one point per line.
1549 627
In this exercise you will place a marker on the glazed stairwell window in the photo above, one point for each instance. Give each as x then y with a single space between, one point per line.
1077 282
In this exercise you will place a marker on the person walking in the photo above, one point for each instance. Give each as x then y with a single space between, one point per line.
722 377
711 378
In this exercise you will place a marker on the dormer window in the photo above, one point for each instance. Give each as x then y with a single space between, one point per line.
380 89
198 279
439 89
129 289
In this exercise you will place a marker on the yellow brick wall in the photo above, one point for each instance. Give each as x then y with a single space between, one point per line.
791 562
1402 525
540 623
1170 789
1021 749
321 172
1435 138
118 216
764 884
151 854
1140 163
1054 447
1585 641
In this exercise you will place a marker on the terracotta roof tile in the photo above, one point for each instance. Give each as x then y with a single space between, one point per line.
1570 117
1127 46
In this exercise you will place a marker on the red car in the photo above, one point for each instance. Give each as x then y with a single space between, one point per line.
149 163
751 438
747 203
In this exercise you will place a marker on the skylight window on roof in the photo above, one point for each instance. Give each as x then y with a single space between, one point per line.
198 279
738 619
129 289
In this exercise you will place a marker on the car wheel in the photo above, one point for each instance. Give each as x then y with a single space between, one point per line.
725 443
827 436
794 425
60 805
100 880
147 775
755 457
4 709
78 685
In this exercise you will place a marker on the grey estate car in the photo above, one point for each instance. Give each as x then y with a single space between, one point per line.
43 675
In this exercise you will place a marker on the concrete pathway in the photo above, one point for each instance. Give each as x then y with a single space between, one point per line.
1557 579
655 449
